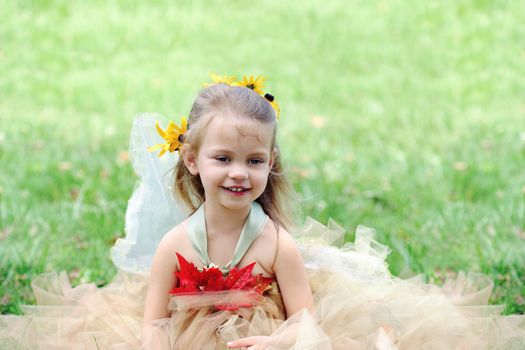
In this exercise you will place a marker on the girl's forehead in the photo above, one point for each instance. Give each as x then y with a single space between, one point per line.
236 130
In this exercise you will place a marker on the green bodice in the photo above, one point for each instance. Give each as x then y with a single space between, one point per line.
253 226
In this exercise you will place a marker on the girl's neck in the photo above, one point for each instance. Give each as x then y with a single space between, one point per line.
223 220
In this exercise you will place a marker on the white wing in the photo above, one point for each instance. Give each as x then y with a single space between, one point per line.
152 209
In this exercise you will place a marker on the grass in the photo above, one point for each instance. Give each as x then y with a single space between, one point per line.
408 118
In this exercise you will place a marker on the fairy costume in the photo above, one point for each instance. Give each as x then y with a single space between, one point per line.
216 304
358 304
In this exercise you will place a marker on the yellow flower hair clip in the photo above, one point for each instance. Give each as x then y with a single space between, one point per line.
224 79
273 103
256 84
174 136
251 82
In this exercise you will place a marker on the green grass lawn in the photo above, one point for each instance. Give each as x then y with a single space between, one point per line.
408 117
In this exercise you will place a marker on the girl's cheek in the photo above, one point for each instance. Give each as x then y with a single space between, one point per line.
263 177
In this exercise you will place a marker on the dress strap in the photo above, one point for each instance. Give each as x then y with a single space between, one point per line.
253 226
196 228
276 247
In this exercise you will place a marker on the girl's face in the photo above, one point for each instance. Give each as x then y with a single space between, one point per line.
233 161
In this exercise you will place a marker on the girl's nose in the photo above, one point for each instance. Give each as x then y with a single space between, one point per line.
238 172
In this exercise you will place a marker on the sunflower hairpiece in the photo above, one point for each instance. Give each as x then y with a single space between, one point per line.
224 79
251 82
256 84
174 136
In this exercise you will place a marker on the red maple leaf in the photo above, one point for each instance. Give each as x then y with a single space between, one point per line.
190 280
188 277
238 278
214 279
261 284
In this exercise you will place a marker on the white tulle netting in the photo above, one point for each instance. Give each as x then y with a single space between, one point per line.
152 209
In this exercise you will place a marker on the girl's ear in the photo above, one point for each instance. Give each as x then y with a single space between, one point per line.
273 157
190 160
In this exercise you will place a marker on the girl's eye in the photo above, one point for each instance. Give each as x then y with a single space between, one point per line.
222 159
255 161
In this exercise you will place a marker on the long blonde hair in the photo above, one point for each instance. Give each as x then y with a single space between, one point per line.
220 100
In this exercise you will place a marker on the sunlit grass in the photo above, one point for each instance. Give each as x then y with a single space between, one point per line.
408 118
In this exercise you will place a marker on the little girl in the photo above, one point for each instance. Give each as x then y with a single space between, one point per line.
228 274
229 175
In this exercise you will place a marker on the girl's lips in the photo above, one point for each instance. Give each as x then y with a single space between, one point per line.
236 190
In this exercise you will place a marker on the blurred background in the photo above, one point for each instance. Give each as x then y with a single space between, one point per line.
408 117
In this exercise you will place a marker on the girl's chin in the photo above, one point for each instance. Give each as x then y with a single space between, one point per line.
235 209
237 204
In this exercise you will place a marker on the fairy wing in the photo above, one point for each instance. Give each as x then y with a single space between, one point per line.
152 210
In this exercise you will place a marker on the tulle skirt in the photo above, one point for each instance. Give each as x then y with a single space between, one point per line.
358 305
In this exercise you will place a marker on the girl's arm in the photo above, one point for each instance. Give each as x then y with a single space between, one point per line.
161 280
291 276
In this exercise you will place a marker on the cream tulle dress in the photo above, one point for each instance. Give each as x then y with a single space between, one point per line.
358 303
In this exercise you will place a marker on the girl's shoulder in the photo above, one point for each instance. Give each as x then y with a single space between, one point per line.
173 238
273 232
286 249
175 241
272 242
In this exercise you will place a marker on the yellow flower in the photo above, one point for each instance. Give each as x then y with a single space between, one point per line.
172 135
276 107
273 103
224 79
256 84
251 82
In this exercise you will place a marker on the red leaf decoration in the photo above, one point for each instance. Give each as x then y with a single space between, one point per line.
190 280
188 277
214 279
245 276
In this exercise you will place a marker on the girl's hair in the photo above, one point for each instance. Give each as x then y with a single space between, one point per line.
223 101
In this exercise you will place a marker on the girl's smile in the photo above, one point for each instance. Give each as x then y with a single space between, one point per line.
237 190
